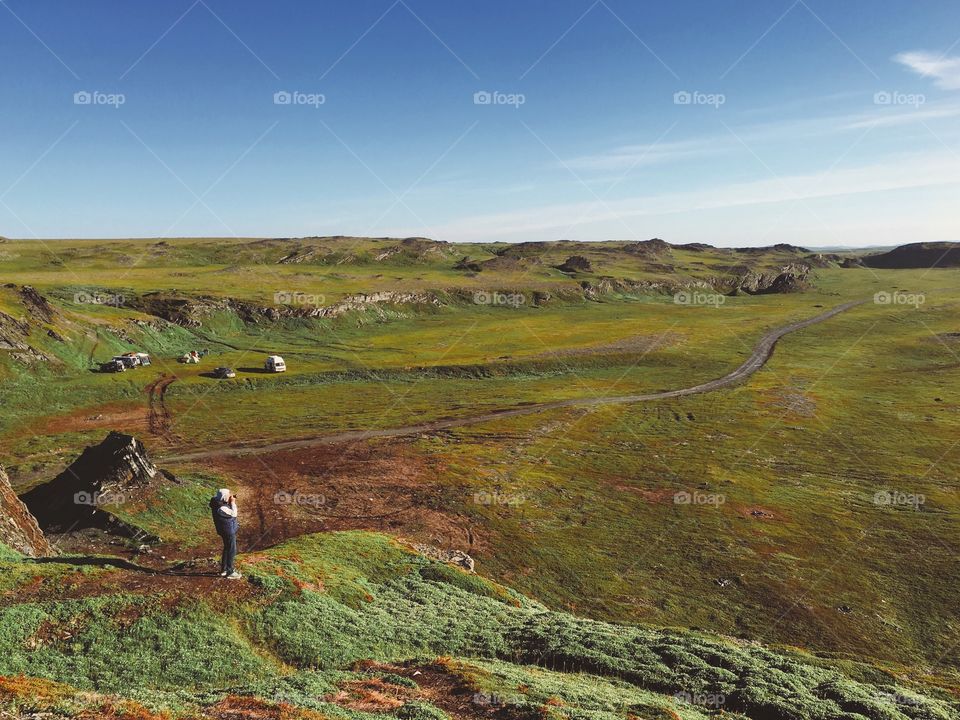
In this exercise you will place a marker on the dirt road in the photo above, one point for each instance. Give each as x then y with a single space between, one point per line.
758 358
158 416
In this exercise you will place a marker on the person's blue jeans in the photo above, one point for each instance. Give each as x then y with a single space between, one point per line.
229 553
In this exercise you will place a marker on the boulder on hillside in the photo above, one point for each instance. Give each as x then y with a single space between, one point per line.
104 476
18 528
575 264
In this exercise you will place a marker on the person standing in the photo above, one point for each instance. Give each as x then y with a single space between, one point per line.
223 507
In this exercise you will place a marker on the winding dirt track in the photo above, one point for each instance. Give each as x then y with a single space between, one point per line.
758 358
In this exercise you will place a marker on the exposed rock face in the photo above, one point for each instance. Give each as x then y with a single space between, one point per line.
104 476
917 255
363 301
191 311
13 332
789 278
36 304
18 528
14 335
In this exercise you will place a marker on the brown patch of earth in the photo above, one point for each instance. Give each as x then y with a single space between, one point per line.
175 587
438 684
386 486
794 402
658 496
234 707
132 418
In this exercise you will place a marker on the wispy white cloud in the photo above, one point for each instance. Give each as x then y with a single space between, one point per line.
945 70
789 130
894 173
904 117
643 155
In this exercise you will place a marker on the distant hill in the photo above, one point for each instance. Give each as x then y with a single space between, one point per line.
917 255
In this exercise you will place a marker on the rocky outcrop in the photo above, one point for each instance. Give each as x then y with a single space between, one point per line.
14 335
789 278
652 248
103 477
192 311
18 528
415 250
575 264
37 306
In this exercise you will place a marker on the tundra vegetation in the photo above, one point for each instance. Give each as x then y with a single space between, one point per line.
783 548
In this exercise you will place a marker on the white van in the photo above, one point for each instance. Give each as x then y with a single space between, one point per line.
275 364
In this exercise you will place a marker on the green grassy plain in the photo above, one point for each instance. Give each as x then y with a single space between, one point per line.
799 551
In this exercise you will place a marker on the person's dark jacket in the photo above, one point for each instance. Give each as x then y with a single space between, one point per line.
226 525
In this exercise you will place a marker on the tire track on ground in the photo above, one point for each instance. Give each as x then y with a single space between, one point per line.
758 358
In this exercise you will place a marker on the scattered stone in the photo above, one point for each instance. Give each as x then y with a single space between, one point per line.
451 557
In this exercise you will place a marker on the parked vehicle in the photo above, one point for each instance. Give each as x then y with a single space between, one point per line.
144 358
275 364
224 373
112 366
129 361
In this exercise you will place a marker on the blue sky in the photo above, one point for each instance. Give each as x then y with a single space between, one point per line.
734 123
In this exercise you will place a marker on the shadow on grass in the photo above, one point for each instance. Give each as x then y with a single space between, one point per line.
105 562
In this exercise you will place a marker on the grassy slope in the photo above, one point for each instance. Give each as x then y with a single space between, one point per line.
322 602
